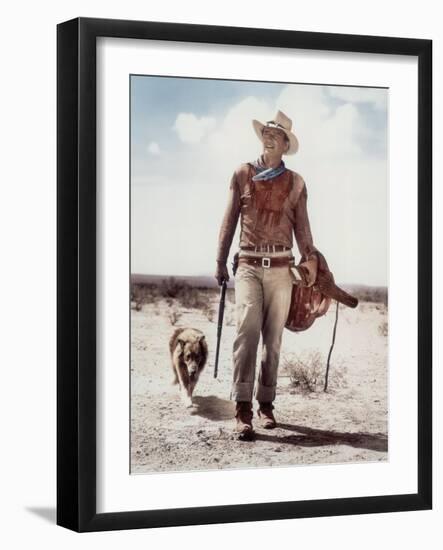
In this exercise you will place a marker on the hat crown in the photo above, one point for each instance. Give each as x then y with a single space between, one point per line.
281 119
282 122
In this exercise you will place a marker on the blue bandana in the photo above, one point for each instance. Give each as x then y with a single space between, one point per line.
265 174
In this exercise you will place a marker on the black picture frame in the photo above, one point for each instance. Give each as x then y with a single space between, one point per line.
76 273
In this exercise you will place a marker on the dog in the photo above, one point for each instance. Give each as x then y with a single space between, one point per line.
189 353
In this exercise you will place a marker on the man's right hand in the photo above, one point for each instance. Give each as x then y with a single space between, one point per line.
221 273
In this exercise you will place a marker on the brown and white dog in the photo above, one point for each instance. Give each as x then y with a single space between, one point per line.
189 353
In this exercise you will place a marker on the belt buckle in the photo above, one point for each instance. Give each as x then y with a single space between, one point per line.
266 262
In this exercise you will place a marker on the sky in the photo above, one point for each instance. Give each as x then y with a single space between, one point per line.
188 136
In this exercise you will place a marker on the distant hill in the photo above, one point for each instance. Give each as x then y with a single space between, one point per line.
199 281
362 292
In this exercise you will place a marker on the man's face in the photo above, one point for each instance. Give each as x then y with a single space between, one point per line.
274 141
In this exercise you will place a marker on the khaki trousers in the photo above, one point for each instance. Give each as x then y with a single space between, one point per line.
262 299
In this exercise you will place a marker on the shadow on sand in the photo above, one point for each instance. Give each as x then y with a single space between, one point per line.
309 437
213 408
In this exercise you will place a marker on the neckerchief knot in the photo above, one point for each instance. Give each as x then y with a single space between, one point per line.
265 174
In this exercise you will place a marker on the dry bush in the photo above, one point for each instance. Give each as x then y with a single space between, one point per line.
143 294
383 328
174 315
136 298
171 288
209 312
307 372
187 296
193 298
174 292
211 306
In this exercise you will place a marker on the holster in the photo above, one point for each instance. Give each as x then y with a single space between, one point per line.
235 263
326 284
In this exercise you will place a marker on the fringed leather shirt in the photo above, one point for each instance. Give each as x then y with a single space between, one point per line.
271 212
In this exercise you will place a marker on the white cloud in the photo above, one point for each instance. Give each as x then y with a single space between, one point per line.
235 138
377 96
153 148
320 130
231 142
191 129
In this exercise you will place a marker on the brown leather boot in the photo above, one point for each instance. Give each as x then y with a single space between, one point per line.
266 416
243 415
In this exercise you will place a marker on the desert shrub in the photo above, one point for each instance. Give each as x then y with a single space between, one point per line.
186 295
171 288
143 294
209 312
193 298
135 298
305 372
138 296
383 328
176 292
174 315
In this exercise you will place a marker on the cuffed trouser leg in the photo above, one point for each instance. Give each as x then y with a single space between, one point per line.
249 311
277 290
263 297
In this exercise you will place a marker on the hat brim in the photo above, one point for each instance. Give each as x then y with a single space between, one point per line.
293 141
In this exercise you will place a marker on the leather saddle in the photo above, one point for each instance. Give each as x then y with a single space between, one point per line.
310 302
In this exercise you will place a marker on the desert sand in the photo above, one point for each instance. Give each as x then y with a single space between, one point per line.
348 423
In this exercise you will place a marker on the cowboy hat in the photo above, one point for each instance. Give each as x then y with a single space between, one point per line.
281 122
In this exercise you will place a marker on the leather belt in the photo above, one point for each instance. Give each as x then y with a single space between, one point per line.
266 248
267 262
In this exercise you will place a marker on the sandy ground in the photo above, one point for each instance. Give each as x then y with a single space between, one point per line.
346 424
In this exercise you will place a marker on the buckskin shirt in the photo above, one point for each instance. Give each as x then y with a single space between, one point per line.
271 212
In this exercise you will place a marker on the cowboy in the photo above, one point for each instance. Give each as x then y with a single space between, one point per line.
270 200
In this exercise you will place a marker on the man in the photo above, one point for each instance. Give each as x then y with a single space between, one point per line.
271 202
